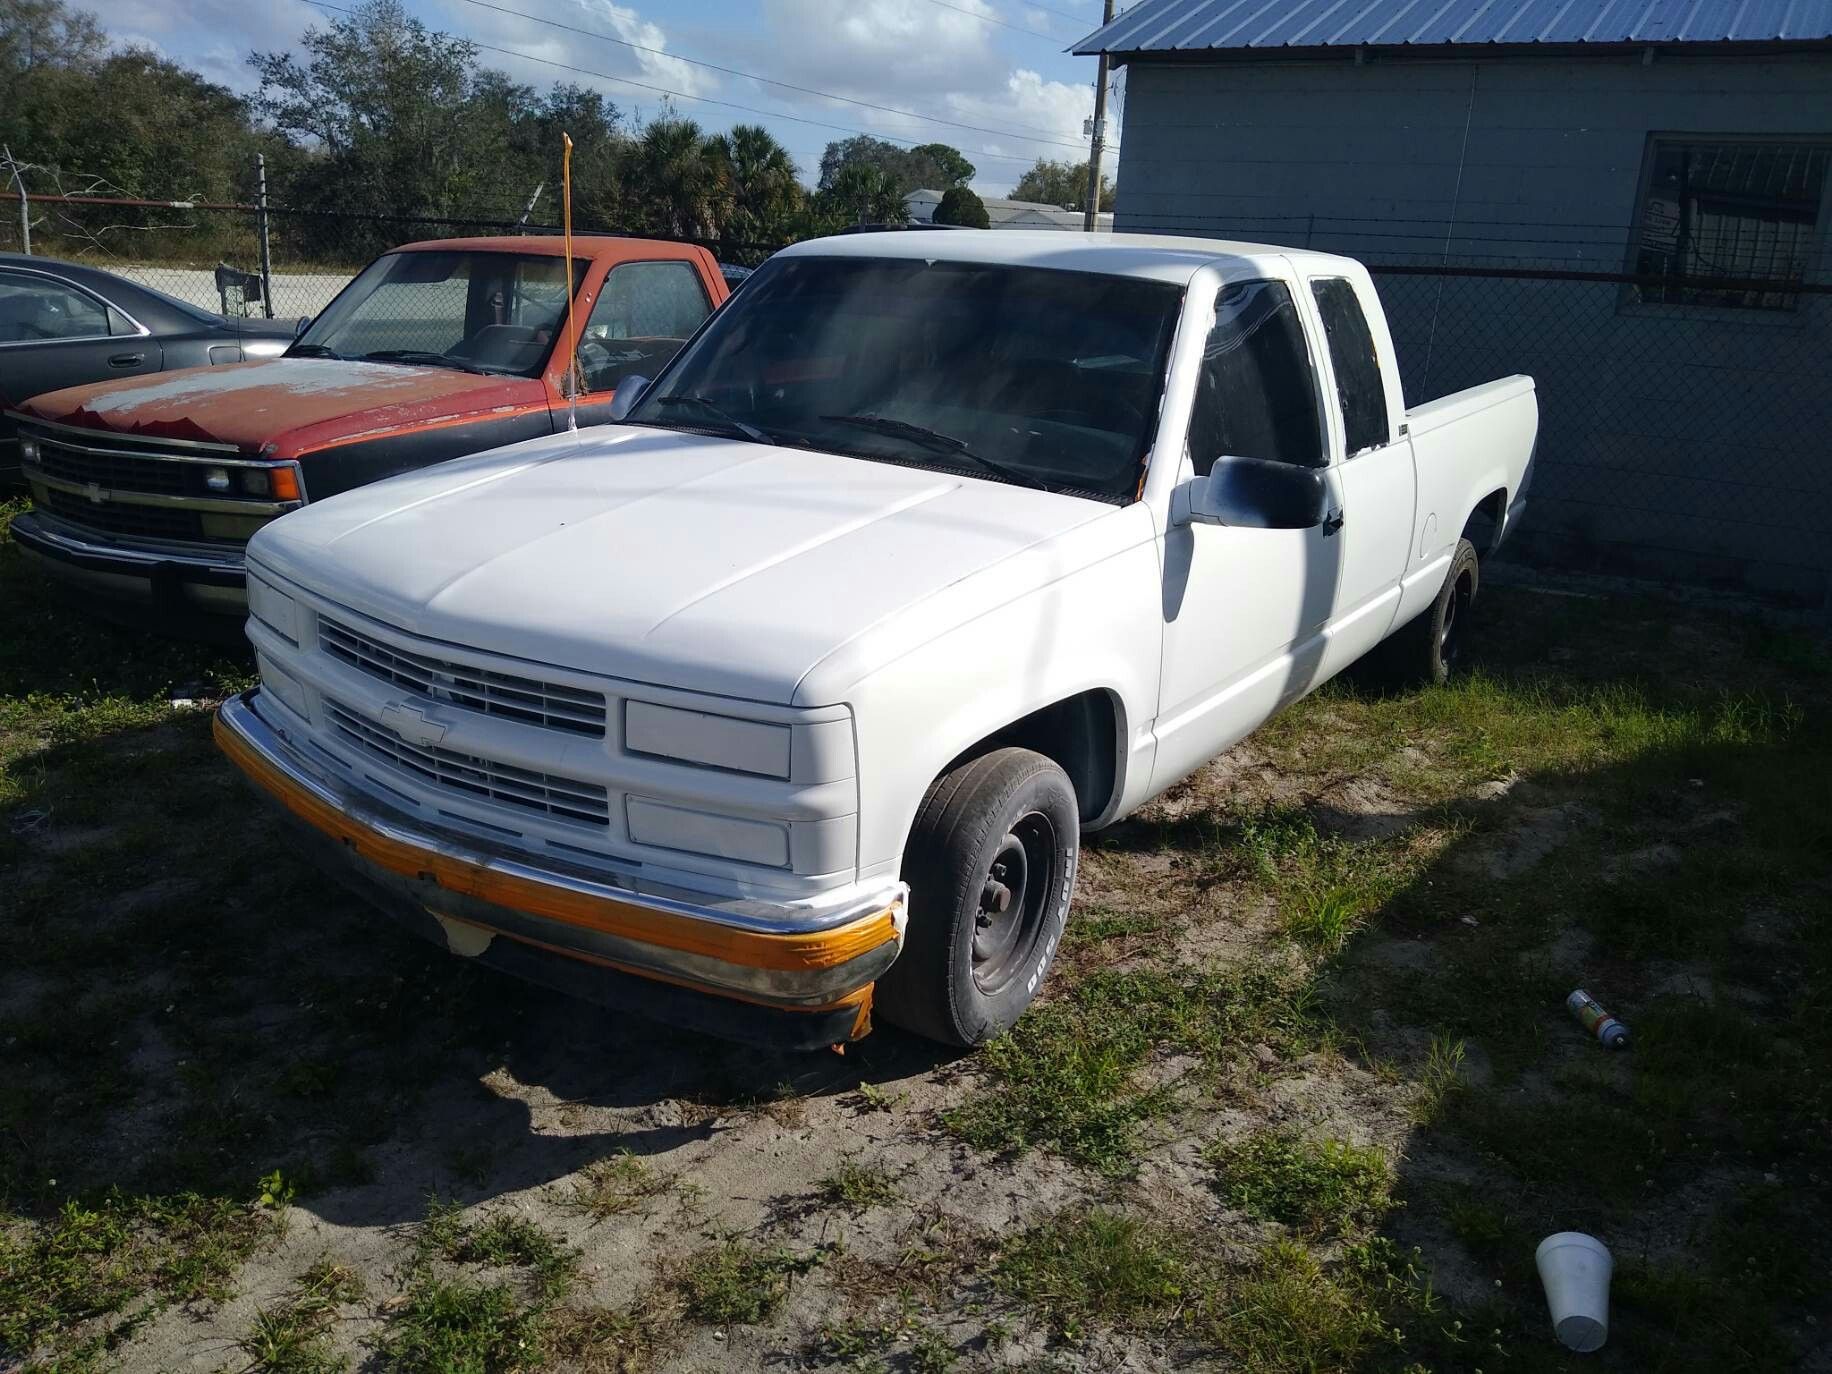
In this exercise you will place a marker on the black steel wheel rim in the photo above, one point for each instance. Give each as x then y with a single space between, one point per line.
1014 897
1450 634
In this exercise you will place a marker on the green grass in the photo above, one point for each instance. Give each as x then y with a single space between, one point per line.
460 1326
858 1186
735 1282
1318 1185
1096 1267
1063 1078
290 1337
610 1187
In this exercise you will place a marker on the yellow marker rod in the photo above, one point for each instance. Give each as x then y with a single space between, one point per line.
572 328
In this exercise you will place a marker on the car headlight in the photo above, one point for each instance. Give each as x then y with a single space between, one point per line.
284 686
273 608
28 450
712 741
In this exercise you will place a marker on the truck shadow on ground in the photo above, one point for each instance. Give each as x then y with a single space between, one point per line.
191 1007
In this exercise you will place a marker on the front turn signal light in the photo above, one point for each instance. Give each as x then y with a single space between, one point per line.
284 482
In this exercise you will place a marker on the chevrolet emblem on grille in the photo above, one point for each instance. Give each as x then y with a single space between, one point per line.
93 490
412 724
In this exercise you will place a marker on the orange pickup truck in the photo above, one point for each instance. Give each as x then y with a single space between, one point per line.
147 489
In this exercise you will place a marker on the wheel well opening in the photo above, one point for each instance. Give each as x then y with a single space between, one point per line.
1081 734
1483 528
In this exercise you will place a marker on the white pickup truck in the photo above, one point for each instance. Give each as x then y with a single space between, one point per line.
795 690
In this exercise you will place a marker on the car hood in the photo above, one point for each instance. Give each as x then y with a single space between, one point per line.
708 564
283 406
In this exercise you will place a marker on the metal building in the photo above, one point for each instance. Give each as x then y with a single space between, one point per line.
1627 198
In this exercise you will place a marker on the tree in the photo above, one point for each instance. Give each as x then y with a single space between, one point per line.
951 168
933 166
960 206
675 183
43 33
859 194
764 198
395 119
1061 183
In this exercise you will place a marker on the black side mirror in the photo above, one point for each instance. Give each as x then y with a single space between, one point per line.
1260 494
305 323
629 392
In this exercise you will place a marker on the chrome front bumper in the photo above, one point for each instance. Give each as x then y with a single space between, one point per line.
211 582
813 962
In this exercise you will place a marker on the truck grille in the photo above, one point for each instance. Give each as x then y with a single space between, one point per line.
120 471
526 699
108 517
562 798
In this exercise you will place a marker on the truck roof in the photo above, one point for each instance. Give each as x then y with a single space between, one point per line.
1159 257
553 245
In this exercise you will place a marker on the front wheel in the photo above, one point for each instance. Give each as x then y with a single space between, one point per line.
991 867
1430 648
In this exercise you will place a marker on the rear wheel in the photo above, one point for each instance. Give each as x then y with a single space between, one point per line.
1431 647
991 867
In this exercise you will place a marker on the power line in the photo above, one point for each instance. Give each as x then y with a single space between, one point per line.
702 99
1045 135
1005 23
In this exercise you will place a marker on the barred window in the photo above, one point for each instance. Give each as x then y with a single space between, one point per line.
1741 209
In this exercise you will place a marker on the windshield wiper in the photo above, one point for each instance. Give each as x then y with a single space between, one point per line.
300 350
706 407
411 355
934 438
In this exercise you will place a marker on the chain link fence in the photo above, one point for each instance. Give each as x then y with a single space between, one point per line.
1682 433
1679 439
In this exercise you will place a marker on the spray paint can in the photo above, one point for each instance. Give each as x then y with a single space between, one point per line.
1591 1016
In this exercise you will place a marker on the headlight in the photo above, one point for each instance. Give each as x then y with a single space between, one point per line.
28 451
274 609
283 685
722 837
743 746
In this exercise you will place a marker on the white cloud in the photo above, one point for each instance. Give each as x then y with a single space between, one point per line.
932 60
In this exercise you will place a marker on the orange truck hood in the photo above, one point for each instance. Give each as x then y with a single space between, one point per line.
285 407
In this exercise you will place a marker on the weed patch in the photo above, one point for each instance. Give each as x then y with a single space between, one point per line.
735 1282
859 1186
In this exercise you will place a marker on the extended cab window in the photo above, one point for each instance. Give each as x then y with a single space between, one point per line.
1356 363
646 311
1255 397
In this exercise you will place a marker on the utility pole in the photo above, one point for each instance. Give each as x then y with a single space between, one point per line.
1098 130
260 200
25 206
533 201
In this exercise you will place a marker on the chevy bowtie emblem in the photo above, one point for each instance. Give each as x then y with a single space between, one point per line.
93 490
412 724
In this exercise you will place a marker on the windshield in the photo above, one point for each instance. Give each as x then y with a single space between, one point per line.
476 311
1020 374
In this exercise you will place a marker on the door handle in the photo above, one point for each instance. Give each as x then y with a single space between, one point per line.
1331 523
127 360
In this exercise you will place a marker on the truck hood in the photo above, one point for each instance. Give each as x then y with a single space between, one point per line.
653 556
283 406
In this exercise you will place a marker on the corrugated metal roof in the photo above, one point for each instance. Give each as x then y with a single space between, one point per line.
1202 25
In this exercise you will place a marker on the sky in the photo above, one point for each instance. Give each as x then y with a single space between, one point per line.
915 70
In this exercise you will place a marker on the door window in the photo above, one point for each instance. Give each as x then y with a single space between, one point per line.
1359 387
1255 396
33 309
646 311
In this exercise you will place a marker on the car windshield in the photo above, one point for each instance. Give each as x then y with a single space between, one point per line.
1024 374
472 310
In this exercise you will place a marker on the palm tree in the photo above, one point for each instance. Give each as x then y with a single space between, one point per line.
764 196
680 188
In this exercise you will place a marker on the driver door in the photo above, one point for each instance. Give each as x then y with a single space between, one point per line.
1245 609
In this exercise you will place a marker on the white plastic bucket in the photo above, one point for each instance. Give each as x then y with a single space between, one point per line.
1576 1269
